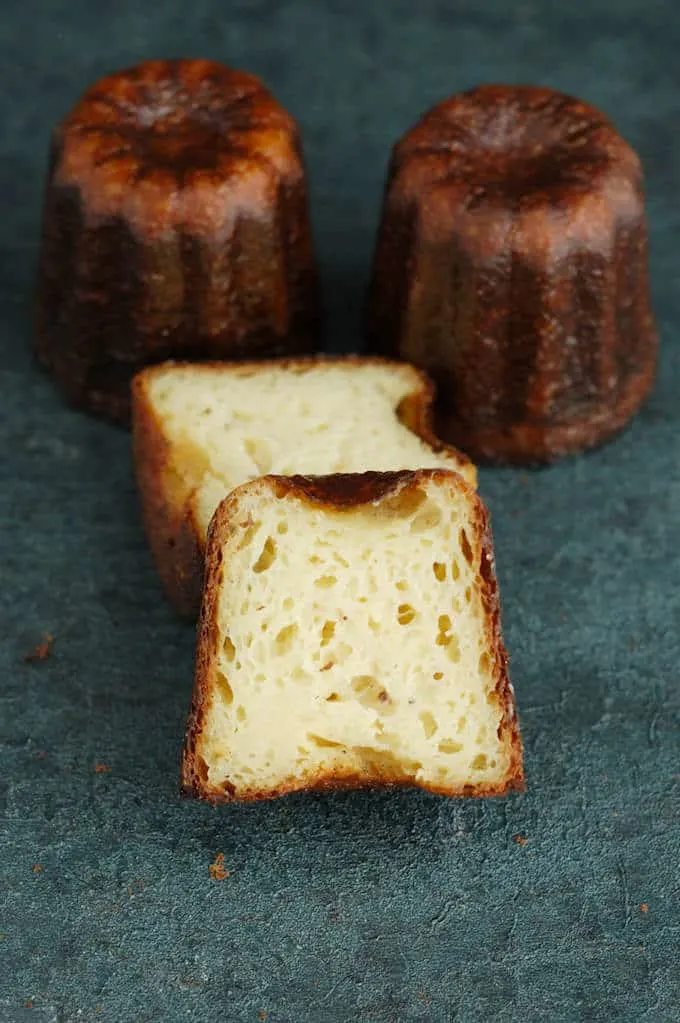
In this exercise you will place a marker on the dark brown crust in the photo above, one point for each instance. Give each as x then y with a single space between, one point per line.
531 445
174 539
170 529
175 225
343 493
511 264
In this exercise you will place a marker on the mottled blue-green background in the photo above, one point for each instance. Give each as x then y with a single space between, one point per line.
378 907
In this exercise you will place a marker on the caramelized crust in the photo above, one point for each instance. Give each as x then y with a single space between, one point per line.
343 492
511 264
175 225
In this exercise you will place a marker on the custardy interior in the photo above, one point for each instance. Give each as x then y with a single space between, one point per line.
229 425
353 641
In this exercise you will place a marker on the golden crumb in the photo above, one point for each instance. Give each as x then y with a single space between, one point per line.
217 871
41 652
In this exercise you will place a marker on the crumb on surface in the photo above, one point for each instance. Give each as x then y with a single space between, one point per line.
644 908
40 652
520 839
101 768
37 868
217 870
262 1015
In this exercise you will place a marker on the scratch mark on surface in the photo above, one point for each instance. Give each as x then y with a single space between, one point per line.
510 940
652 730
623 877
438 921
582 793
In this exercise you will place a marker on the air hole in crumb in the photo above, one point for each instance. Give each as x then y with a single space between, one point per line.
323 743
428 518
465 546
429 724
455 570
386 764
468 594
404 504
480 762
370 692
401 584
481 734
327 633
258 450
332 698
315 559
472 699
282 527
484 663
462 724
241 713
266 557
439 569
448 746
285 639
444 636
405 614
373 625
324 582
453 649
493 699
225 689
250 529
229 649
438 676
259 677
288 604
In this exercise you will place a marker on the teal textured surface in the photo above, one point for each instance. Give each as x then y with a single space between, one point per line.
559 905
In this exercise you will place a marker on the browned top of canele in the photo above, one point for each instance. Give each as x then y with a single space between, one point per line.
518 147
165 143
